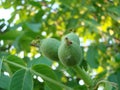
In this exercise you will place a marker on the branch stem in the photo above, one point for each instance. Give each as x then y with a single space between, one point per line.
86 78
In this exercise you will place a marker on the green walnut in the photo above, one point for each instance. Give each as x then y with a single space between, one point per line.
73 37
49 48
69 53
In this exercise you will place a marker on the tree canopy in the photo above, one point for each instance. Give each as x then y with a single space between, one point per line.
96 22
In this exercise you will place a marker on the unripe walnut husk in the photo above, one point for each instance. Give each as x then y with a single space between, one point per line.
49 48
73 37
69 53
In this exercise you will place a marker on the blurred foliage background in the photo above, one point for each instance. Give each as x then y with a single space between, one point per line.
96 22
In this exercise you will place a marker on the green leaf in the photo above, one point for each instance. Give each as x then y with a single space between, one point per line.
38 16
102 47
40 60
108 86
117 57
1 61
72 23
6 4
114 10
84 65
115 77
13 14
3 54
1 64
101 75
15 59
15 63
35 27
46 87
10 35
4 82
67 3
46 71
38 85
21 80
92 25
83 87
33 3
92 57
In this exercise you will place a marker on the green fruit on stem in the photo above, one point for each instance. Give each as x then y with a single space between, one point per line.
49 48
73 37
69 53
